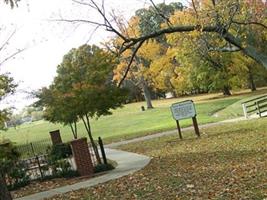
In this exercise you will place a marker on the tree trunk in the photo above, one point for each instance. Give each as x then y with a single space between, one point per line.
88 129
4 193
226 91
251 81
173 91
146 93
74 130
174 95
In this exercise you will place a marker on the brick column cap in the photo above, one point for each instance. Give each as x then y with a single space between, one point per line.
78 140
55 137
54 131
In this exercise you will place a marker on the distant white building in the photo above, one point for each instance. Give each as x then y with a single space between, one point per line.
168 95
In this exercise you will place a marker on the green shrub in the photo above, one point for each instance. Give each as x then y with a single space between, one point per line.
61 168
11 167
19 176
60 151
58 163
103 167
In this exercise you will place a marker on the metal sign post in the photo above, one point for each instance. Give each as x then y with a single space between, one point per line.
184 110
179 130
194 119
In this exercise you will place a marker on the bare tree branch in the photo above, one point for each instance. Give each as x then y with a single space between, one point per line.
79 21
119 21
91 34
83 3
106 21
103 7
195 9
7 40
107 24
232 12
12 56
250 23
130 62
160 13
5 44
221 27
132 41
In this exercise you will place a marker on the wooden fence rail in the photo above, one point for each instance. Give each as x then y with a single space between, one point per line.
255 106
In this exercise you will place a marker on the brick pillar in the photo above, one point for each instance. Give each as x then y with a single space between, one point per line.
55 137
82 157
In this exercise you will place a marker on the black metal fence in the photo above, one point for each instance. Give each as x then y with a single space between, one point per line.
35 167
42 147
35 160
31 149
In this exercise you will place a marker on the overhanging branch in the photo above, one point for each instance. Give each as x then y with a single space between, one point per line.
79 21
130 62
175 29
160 13
11 56
7 40
219 26
250 23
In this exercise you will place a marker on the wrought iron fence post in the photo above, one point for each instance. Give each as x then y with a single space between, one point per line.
38 162
100 142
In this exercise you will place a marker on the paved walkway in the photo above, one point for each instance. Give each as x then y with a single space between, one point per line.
127 163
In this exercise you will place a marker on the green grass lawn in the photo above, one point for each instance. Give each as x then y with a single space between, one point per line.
228 162
130 121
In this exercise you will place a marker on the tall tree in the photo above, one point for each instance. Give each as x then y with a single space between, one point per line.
84 88
152 18
58 107
140 63
7 86
209 68
139 72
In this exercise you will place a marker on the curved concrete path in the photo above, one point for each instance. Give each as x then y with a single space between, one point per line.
127 163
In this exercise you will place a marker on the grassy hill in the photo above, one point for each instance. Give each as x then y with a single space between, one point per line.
130 121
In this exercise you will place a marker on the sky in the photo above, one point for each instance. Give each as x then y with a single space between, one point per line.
46 41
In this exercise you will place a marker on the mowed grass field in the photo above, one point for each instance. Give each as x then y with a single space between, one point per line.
228 162
130 121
